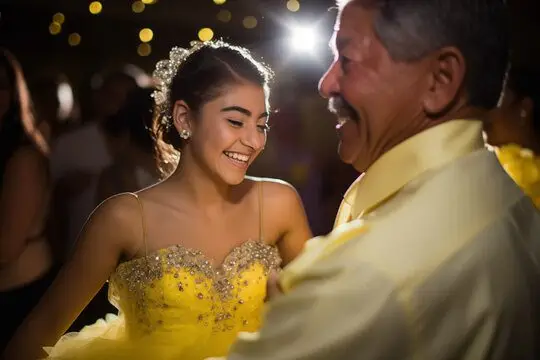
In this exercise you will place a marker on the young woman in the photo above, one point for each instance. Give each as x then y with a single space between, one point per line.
26 260
188 258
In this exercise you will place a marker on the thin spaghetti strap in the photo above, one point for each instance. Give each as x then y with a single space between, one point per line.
143 222
260 190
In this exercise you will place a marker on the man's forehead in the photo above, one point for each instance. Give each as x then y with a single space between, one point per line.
353 24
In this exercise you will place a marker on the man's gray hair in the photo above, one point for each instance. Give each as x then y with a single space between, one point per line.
412 29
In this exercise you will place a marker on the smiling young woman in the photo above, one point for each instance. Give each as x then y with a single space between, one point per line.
187 259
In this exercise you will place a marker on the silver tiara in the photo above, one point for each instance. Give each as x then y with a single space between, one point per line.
166 71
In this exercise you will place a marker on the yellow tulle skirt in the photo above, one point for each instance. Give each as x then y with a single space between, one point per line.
107 339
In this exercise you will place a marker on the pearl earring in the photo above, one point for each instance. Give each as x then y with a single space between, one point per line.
185 134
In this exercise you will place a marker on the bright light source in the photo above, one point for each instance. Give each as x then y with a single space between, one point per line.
206 34
146 35
95 7
303 39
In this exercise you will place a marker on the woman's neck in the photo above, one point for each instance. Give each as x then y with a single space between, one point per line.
198 186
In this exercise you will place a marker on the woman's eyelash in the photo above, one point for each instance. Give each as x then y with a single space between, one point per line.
235 122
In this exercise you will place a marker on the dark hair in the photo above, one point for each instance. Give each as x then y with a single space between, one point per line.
525 83
134 119
199 79
411 29
18 125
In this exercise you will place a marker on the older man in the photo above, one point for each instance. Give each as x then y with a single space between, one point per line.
436 251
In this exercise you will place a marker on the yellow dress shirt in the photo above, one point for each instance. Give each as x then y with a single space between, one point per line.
440 260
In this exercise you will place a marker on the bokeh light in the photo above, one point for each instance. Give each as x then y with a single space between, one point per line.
220 2
59 18
149 2
224 16
55 28
293 5
249 22
95 7
137 7
206 34
74 39
144 49
146 35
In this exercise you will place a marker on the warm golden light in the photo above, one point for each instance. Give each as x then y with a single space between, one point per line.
220 2
144 49
224 16
146 35
206 34
293 5
95 7
74 39
59 18
55 28
149 2
249 22
137 7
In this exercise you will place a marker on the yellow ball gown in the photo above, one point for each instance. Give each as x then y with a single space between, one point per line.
523 166
173 304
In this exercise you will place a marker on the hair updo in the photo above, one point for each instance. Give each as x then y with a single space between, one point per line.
200 78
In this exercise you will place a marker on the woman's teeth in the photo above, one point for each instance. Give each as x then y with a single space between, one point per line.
237 156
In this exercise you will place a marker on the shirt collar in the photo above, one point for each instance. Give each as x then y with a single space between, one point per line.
427 150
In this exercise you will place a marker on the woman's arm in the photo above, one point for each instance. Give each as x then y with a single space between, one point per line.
22 201
286 209
114 230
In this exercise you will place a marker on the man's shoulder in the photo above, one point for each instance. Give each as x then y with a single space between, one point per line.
437 215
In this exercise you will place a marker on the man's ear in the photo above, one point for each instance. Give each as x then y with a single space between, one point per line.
447 74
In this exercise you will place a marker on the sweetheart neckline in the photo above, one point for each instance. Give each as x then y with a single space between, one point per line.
199 252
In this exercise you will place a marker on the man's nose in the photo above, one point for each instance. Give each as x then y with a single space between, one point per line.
328 84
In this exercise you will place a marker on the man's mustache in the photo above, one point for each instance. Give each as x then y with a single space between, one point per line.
341 108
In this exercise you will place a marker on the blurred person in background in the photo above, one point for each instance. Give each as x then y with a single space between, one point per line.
135 167
513 129
78 157
26 261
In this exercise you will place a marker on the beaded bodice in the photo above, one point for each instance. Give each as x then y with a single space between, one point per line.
178 290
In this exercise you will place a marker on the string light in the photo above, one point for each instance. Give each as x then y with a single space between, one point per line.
137 7
55 28
146 35
206 34
59 18
74 39
249 22
220 2
95 7
149 2
144 49
293 5
224 16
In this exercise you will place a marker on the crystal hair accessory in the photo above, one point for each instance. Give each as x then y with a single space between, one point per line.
164 74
